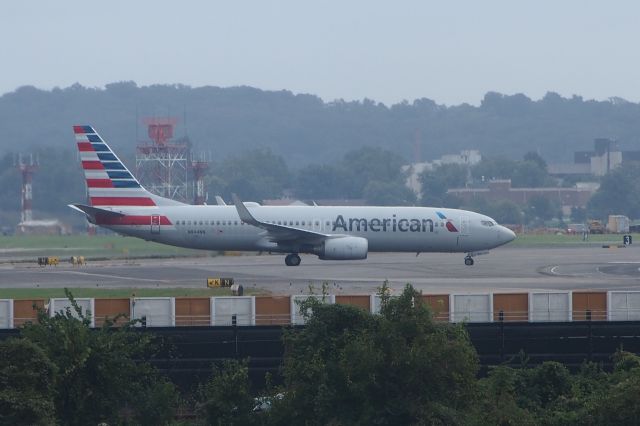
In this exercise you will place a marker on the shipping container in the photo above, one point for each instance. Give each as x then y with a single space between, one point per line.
6 313
510 307
439 305
193 311
362 301
60 305
618 224
273 310
587 306
471 308
112 308
233 310
26 310
154 311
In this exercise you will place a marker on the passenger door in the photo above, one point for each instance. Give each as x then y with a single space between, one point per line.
155 223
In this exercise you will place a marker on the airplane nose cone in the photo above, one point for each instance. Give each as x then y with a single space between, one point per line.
505 235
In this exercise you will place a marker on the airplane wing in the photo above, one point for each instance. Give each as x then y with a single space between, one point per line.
279 233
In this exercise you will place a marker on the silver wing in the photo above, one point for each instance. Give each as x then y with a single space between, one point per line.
280 234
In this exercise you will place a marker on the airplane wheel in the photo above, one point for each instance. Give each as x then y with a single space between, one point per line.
292 260
468 261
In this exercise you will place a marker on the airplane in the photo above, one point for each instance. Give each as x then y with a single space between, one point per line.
118 202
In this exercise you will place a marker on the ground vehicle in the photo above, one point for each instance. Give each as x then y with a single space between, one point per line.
576 228
596 227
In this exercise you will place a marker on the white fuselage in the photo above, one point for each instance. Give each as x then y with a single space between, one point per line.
387 229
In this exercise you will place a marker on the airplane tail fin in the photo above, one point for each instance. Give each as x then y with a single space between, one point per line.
109 182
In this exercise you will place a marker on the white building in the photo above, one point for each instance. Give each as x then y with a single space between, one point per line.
467 157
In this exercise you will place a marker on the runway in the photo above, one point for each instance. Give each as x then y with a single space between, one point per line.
503 270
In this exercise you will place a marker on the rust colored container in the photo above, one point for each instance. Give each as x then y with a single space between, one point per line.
111 308
439 304
511 307
26 311
274 310
193 311
362 301
589 306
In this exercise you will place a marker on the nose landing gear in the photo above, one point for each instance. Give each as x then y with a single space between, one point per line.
292 259
468 259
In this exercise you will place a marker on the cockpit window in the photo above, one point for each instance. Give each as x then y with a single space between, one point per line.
487 223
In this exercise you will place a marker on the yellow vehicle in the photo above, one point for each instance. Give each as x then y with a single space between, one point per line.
48 261
596 227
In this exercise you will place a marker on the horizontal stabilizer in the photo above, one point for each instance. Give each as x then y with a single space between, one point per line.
92 212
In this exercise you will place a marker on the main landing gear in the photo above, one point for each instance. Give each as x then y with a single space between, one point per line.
468 260
292 259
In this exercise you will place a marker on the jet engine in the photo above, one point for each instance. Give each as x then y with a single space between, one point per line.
343 248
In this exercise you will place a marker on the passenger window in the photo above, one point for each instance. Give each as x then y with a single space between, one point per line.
297 223
235 223
189 223
217 222
317 223
303 223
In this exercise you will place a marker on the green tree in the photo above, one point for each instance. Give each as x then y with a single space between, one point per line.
503 211
578 214
254 175
534 157
529 174
619 193
380 193
103 374
226 399
367 164
498 400
27 378
348 366
539 209
436 182
493 168
317 182
619 402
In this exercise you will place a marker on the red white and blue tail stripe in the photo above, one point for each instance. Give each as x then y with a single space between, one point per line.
109 182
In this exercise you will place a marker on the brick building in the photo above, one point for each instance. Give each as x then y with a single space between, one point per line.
497 190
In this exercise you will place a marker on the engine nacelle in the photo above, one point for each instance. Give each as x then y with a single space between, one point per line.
343 248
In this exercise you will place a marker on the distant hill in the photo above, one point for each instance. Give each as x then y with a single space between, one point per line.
303 129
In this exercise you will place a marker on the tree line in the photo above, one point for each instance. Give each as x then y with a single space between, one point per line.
371 175
346 366
618 193
265 144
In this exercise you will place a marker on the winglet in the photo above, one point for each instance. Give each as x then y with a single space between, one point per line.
220 201
244 213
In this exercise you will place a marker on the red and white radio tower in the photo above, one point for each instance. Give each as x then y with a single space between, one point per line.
27 169
199 168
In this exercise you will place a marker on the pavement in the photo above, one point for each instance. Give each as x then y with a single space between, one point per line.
505 269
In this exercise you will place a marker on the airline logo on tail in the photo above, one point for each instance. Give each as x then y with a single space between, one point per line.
108 180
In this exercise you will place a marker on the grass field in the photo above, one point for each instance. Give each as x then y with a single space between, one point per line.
532 240
91 247
47 293
114 246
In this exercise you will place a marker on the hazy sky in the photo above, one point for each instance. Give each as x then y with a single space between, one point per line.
449 51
